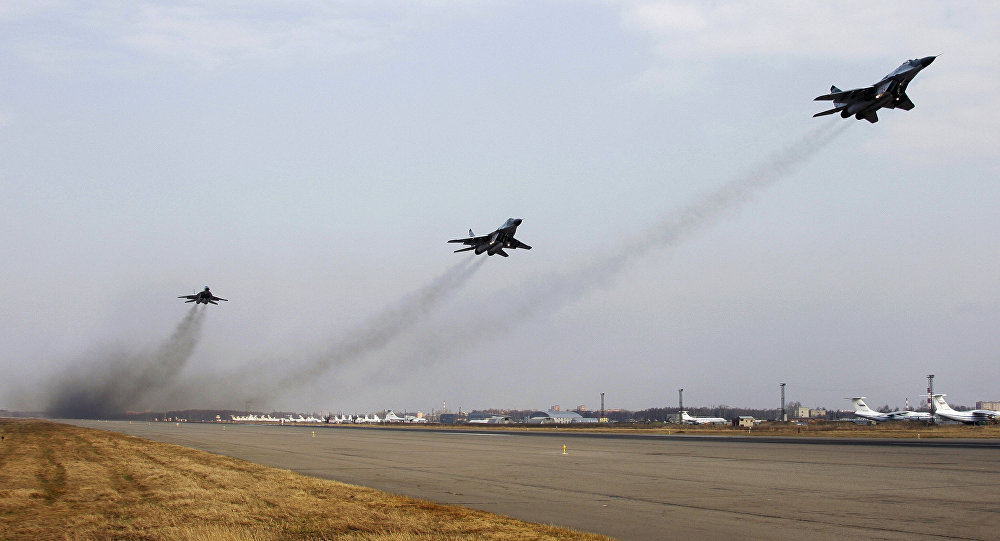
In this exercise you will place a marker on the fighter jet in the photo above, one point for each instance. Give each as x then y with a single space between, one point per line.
205 297
495 242
890 92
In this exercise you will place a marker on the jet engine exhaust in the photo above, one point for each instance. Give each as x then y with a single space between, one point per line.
114 380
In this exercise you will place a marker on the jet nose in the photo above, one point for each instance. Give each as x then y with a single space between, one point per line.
515 221
926 61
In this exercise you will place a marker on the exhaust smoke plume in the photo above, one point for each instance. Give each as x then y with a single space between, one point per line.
550 292
382 329
114 380
353 345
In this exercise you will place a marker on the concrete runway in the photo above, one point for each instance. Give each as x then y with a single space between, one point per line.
647 487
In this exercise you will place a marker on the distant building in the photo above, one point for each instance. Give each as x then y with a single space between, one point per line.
554 417
555 408
479 418
808 413
988 405
451 418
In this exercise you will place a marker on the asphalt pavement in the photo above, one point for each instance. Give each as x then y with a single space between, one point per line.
641 487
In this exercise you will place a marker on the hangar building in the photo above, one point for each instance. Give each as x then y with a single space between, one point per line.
558 418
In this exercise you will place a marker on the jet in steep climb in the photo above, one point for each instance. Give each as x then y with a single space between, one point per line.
495 242
205 297
890 93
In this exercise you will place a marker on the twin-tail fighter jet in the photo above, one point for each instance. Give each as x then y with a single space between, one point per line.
205 297
495 242
890 93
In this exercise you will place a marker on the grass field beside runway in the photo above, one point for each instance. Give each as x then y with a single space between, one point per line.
65 482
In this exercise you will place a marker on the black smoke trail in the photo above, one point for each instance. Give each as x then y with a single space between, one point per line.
379 331
112 380
263 380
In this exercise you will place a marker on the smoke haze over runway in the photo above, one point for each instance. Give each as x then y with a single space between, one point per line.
262 380
500 313
112 380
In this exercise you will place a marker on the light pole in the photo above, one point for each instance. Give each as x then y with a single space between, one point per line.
784 416
680 401
930 395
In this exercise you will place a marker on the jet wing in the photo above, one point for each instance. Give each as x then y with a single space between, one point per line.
841 96
831 111
903 102
189 297
214 298
473 241
514 243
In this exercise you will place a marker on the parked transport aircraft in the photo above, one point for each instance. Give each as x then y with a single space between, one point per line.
689 420
971 417
862 410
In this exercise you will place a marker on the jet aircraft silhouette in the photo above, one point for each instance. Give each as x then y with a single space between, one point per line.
205 297
890 93
495 242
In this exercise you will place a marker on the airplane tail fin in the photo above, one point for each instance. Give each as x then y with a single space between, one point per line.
471 234
939 402
465 249
834 89
859 404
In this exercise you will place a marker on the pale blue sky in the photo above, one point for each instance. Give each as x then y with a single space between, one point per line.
309 161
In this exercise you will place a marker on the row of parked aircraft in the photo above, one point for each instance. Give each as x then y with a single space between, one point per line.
390 417
269 419
941 409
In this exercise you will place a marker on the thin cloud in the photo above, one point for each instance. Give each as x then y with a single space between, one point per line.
700 30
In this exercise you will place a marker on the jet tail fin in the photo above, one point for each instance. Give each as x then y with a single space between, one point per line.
940 403
834 89
859 404
465 249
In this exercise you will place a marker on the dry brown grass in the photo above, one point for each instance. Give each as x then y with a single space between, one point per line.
64 482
